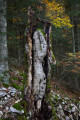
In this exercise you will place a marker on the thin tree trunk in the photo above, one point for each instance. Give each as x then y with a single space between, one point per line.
78 37
3 42
73 38
28 46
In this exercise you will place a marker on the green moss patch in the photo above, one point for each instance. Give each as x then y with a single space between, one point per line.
41 31
16 86
18 106
21 106
5 85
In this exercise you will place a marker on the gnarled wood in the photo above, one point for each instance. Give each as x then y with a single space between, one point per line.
38 54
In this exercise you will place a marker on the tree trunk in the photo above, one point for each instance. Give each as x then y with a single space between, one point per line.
39 57
78 35
73 38
3 42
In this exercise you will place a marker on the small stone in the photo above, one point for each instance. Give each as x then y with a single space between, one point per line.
4 88
2 94
60 111
13 110
8 96
3 102
22 111
19 93
63 103
1 113
72 105
58 95
28 118
1 106
53 92
60 106
13 94
67 118
5 98
12 90
73 109
7 108
66 98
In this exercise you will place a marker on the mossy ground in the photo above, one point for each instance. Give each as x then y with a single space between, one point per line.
5 85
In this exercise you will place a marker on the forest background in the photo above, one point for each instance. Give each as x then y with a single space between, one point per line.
64 17
65 36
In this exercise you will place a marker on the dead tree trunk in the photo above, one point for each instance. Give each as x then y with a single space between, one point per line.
28 46
39 57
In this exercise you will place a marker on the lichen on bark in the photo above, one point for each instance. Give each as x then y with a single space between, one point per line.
40 51
38 54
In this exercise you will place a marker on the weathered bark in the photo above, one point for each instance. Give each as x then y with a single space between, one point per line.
3 42
39 57
39 80
28 46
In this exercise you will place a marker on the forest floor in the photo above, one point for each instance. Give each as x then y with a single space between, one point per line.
64 90
63 98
